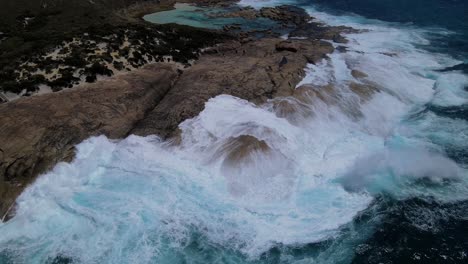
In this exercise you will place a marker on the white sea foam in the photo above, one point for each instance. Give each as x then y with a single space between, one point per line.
450 89
141 200
128 198
403 165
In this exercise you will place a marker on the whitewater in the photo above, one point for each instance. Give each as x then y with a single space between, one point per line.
320 161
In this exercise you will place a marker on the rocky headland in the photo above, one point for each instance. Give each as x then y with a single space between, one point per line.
172 71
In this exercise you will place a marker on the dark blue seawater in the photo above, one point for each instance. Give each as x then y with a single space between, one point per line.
438 14
138 201
417 230
451 14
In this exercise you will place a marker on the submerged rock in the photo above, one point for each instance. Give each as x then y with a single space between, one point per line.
365 91
240 149
358 74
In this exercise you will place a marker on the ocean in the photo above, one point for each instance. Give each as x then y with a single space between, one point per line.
383 180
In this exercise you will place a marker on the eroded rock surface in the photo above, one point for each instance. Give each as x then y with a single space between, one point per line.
286 14
240 149
38 132
254 71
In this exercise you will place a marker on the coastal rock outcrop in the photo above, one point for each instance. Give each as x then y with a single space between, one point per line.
39 131
316 30
255 71
217 3
286 14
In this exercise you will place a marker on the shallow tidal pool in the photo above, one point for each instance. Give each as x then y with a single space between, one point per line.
206 17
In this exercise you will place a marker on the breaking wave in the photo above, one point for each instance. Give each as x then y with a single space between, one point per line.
307 177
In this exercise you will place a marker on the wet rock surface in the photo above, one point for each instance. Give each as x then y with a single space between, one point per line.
285 14
241 148
38 132
215 3
250 68
255 71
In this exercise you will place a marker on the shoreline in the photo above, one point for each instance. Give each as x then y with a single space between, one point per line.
310 146
220 69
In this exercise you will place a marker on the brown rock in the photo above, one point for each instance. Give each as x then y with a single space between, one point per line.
365 91
240 149
252 71
286 14
38 132
308 93
218 3
246 12
316 57
287 46
358 74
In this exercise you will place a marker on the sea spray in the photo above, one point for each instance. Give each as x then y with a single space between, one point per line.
323 183
393 169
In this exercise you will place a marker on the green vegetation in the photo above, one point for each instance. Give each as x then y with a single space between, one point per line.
75 30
